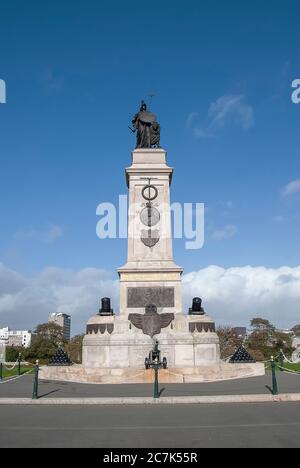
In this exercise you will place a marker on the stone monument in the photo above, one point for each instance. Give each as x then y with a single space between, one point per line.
116 343
150 277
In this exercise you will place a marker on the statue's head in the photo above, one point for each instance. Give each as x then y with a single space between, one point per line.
143 106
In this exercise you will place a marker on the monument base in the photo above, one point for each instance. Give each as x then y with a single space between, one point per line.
114 352
212 373
115 343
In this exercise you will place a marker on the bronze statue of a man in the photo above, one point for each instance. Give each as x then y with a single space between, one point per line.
147 128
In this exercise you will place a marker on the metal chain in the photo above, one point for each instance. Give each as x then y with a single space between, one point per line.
287 360
11 368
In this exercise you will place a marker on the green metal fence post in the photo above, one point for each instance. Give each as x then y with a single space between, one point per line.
156 390
19 363
35 393
274 379
1 371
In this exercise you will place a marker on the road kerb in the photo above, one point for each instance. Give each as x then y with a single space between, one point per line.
178 400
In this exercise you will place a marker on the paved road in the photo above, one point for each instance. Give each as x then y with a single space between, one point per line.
23 388
178 426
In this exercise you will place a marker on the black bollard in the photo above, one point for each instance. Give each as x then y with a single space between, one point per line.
1 371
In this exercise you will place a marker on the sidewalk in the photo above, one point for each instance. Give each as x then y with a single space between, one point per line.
248 390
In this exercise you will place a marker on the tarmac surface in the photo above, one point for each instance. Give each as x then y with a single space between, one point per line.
22 388
176 426
239 425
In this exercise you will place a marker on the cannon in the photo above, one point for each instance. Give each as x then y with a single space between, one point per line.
106 307
154 358
197 308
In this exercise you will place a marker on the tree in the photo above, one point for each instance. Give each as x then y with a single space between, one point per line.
41 349
47 338
262 325
51 332
261 339
74 348
284 342
266 341
12 353
229 341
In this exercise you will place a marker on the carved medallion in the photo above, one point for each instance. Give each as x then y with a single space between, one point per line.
150 216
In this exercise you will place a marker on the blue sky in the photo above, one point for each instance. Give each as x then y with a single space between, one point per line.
75 74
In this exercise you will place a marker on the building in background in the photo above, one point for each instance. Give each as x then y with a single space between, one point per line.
64 321
2 351
15 338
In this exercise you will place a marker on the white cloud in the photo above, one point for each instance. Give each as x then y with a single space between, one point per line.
190 118
50 234
291 188
25 301
236 295
227 232
232 296
228 110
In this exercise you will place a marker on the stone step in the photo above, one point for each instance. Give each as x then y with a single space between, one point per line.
174 375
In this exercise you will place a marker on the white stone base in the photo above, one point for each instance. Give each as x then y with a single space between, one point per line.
127 347
213 373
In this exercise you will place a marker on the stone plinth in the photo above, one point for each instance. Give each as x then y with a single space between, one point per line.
213 373
114 342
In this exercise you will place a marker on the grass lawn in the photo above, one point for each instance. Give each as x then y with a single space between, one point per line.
14 372
286 365
294 367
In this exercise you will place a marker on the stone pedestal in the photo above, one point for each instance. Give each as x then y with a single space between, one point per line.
150 274
113 342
